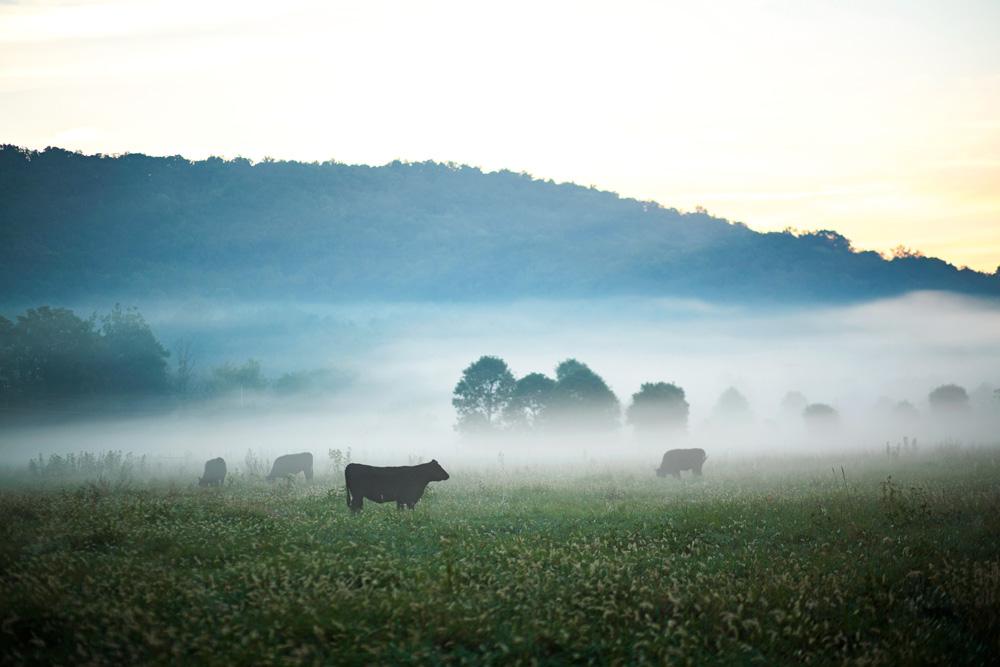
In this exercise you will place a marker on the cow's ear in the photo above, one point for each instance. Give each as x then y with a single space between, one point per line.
434 460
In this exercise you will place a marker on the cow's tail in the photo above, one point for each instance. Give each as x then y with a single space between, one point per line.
347 488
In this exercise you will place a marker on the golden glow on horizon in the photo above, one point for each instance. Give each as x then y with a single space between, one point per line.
878 119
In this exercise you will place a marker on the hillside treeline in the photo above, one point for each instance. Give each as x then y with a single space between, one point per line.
76 225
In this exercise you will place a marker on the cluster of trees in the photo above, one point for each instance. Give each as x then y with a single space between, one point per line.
52 355
488 398
944 402
949 398
77 225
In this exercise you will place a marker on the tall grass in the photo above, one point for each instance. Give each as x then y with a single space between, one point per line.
893 562
111 464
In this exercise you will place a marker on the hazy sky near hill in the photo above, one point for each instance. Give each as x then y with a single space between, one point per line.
880 119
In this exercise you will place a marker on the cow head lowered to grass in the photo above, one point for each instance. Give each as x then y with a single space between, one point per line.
676 460
292 464
403 485
215 473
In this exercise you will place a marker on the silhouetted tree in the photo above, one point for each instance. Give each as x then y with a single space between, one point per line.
529 401
794 403
132 360
820 417
483 394
732 407
582 400
949 398
53 354
658 407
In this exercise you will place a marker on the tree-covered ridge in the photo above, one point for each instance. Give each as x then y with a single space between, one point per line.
76 225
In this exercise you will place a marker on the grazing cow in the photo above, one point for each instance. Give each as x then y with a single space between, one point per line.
403 484
676 460
215 473
292 464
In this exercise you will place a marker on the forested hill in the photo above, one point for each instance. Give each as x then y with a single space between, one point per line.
74 226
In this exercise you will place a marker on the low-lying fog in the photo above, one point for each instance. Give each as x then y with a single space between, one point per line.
401 362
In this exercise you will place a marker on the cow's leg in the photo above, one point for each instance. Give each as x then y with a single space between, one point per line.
357 502
399 504
309 473
411 505
676 474
697 470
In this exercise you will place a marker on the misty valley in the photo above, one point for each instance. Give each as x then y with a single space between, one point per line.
395 332
624 480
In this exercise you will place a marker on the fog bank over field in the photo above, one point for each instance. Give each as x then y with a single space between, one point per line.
400 363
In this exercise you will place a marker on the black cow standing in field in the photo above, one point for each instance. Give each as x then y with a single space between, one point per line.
402 484
215 473
292 464
676 460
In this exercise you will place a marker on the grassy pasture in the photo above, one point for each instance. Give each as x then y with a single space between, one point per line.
889 562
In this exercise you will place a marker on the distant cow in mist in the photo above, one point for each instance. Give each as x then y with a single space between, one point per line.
292 464
676 460
215 473
403 484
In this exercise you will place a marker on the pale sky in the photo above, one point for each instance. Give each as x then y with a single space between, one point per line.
880 119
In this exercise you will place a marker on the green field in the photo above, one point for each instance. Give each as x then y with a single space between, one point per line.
883 562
